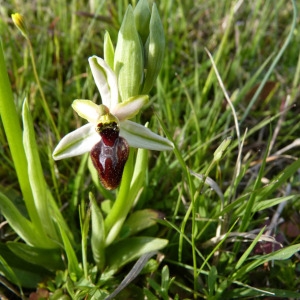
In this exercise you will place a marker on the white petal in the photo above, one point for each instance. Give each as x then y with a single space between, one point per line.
139 136
105 80
87 109
77 142
129 108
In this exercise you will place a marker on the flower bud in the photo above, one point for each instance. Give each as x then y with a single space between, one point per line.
142 15
129 58
221 149
154 50
20 23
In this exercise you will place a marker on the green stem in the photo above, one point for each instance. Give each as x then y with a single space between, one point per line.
13 132
116 217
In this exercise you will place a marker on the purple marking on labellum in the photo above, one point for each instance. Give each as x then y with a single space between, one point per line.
109 161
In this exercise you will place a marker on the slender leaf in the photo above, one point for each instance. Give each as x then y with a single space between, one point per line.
212 277
19 271
11 124
134 272
281 254
48 258
261 205
248 251
36 177
130 249
73 265
98 234
8 272
85 226
267 292
22 226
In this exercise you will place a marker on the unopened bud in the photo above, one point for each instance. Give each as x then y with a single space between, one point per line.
154 50
19 21
129 58
142 15
221 149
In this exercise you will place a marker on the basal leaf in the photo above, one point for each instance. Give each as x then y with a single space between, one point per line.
22 226
98 234
48 258
140 220
37 180
130 249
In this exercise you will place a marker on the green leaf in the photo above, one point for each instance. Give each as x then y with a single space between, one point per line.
22 226
47 258
248 293
221 149
130 249
134 272
281 254
8 272
140 220
37 180
98 234
212 278
248 251
149 295
73 265
280 180
84 227
165 279
58 217
261 205
20 271
13 132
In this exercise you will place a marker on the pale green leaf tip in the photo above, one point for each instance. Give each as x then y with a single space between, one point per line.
221 149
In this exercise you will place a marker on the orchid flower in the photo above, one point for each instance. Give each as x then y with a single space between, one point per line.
83 139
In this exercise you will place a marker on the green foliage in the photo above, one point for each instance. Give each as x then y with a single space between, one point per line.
203 207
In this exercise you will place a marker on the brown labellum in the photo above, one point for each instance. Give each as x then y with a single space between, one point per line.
109 160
